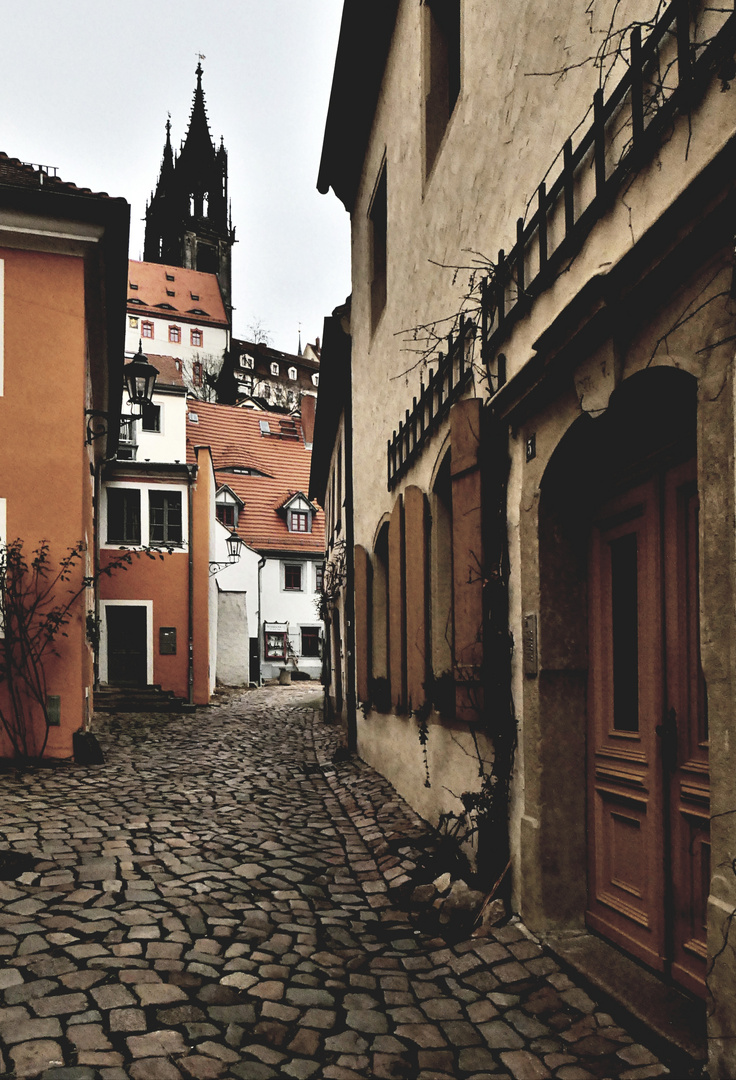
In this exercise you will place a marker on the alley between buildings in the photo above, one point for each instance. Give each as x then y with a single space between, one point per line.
221 900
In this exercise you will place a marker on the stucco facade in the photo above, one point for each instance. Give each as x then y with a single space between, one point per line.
584 419
62 258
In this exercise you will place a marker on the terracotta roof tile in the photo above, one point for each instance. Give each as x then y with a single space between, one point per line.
153 290
16 173
233 433
169 369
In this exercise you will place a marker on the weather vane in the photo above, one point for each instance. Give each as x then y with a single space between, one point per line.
201 56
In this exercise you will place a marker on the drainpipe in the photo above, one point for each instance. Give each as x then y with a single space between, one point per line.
352 716
190 532
261 564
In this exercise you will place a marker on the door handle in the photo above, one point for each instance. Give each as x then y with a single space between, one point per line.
667 733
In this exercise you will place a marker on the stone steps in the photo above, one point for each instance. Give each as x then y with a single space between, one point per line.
137 699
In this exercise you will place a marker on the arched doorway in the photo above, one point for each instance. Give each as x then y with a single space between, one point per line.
619 564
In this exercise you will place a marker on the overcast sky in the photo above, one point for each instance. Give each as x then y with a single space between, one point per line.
86 85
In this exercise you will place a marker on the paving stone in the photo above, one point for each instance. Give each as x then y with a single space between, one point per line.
228 904
36 1055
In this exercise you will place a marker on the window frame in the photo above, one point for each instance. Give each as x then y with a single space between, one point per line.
314 632
147 411
174 334
378 239
147 329
289 569
196 333
168 496
128 536
301 516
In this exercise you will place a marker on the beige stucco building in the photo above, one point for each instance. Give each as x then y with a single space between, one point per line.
543 507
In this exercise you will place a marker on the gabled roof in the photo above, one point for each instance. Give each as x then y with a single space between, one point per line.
229 431
169 371
151 297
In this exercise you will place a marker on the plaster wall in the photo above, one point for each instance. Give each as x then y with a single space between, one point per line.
233 667
44 323
297 608
214 339
169 444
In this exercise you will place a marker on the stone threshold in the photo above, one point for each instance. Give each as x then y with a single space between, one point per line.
672 1020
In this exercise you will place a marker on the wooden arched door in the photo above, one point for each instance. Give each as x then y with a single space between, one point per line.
648 784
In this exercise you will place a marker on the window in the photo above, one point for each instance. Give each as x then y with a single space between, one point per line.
175 334
227 513
127 445
265 427
442 72
319 575
123 516
247 361
310 641
133 321
197 373
378 215
170 292
194 296
293 577
169 277
275 645
299 521
196 337
292 373
274 369
147 329
164 522
132 285
315 379
151 418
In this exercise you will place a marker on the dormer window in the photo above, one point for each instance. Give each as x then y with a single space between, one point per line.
247 361
169 277
292 373
274 368
170 292
228 507
132 285
194 296
299 521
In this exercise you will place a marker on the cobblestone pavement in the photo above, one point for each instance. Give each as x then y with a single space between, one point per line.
216 901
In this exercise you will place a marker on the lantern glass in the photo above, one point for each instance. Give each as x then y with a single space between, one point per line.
234 544
140 379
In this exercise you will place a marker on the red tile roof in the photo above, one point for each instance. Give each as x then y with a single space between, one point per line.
169 369
234 437
16 173
153 290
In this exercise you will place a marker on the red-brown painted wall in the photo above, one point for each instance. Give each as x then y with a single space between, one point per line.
44 465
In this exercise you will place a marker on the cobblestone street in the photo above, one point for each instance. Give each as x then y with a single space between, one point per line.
216 901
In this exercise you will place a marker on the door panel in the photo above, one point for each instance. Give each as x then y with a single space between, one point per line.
649 867
687 756
126 645
626 833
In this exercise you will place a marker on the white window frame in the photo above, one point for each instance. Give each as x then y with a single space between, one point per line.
145 523
275 369
292 374
104 605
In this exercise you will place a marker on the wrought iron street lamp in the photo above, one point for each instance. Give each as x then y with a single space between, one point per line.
140 380
234 545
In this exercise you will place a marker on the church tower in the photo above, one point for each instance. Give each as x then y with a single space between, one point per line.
188 220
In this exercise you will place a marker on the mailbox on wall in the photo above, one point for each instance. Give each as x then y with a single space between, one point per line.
167 641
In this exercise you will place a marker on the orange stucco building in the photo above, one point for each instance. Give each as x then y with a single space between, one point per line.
62 303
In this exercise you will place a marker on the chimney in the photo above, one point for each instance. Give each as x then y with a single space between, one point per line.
308 407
